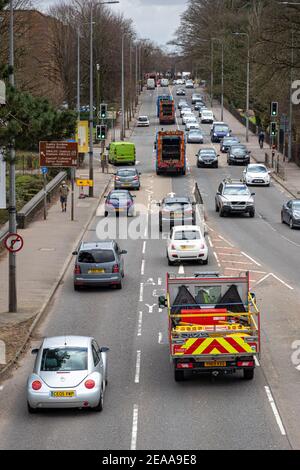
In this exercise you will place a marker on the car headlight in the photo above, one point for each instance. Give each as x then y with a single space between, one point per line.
296 215
226 203
250 203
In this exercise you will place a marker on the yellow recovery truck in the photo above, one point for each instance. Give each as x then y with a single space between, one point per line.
214 324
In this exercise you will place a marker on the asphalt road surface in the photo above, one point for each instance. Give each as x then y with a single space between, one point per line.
143 407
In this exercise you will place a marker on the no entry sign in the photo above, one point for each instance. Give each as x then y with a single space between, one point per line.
13 242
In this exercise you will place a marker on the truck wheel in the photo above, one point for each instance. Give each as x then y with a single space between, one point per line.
179 375
248 374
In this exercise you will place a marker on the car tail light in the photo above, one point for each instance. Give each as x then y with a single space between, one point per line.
188 212
245 364
202 247
185 365
136 177
36 385
77 269
115 268
117 178
173 247
89 384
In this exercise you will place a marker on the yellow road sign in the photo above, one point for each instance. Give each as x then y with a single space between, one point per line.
82 136
80 182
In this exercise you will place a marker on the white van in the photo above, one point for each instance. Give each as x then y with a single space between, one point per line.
207 116
164 82
150 84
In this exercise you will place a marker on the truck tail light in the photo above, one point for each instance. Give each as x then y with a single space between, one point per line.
77 269
185 365
245 364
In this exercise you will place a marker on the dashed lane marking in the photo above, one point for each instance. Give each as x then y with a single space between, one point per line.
275 410
144 247
140 323
159 337
143 268
137 367
134 427
181 269
141 291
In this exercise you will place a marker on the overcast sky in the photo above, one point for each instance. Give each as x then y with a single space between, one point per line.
153 19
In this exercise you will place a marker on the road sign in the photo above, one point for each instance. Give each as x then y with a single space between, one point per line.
44 170
13 242
82 136
58 154
80 182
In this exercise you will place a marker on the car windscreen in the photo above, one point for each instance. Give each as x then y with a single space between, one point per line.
296 205
187 235
177 206
126 172
64 359
238 151
257 169
195 132
236 190
221 129
207 152
143 119
96 256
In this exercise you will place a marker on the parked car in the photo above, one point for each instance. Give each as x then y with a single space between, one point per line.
180 92
238 154
207 116
127 178
69 372
257 174
226 142
234 197
290 213
207 157
186 243
195 136
176 211
98 263
118 202
143 121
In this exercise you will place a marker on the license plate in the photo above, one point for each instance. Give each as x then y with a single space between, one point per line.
187 247
63 394
126 184
96 271
215 364
119 210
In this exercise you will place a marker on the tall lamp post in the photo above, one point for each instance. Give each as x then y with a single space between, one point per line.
222 75
123 90
248 82
91 119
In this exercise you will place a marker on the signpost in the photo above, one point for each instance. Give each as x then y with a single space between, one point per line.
59 154
2 181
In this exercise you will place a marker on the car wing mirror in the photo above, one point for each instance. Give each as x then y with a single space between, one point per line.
252 194
104 349
34 351
123 252
162 301
75 253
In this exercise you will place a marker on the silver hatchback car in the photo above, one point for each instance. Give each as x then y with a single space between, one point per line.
99 264
69 372
126 178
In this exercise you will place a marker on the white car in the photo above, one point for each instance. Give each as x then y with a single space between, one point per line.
69 372
188 118
185 110
143 121
186 243
257 174
191 125
207 116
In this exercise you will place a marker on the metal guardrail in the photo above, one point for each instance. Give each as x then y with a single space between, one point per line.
26 214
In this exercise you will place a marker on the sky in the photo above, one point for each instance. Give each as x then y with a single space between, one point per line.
153 19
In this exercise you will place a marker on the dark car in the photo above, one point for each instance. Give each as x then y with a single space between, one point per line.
227 142
290 213
127 178
99 263
119 202
199 105
238 154
207 157
219 131
176 211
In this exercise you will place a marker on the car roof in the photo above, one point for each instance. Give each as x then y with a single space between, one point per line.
125 168
251 165
101 244
143 117
69 341
119 191
208 149
180 228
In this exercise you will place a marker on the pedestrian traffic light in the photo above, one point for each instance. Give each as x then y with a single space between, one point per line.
101 132
274 108
103 110
273 128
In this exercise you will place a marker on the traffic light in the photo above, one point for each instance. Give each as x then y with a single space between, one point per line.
273 128
101 132
274 108
103 110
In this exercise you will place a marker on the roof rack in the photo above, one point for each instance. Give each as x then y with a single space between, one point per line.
230 180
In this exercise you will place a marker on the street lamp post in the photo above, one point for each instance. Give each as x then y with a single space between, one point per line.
78 74
248 82
212 75
222 75
91 119
123 91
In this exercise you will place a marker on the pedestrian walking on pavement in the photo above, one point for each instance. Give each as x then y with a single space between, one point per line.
261 139
63 192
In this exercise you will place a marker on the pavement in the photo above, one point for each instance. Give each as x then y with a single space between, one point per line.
143 407
291 171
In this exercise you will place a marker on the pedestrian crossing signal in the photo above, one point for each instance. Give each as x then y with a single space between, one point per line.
101 132
273 128
274 109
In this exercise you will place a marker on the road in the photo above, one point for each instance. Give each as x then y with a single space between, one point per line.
144 408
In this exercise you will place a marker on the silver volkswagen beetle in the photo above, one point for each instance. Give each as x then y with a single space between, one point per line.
69 372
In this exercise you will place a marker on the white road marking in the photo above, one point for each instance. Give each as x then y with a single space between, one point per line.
134 427
144 247
251 259
223 247
236 262
159 337
151 307
181 269
275 277
1 388
250 270
217 259
230 254
290 241
210 242
159 282
275 411
140 322
211 229
146 227
256 361
141 291
143 267
137 367
226 241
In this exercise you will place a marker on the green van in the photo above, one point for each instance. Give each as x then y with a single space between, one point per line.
121 152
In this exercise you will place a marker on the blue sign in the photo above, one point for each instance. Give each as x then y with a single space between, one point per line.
44 170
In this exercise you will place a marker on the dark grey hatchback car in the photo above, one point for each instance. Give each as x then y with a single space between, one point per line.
290 213
99 264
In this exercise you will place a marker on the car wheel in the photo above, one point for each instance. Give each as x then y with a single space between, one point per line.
179 375
119 286
77 288
291 223
216 165
229 162
248 374
170 263
105 214
221 213
217 208
32 410
282 219
99 407
252 214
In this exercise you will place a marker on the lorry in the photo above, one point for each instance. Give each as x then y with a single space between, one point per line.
170 152
213 324
166 110
121 153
